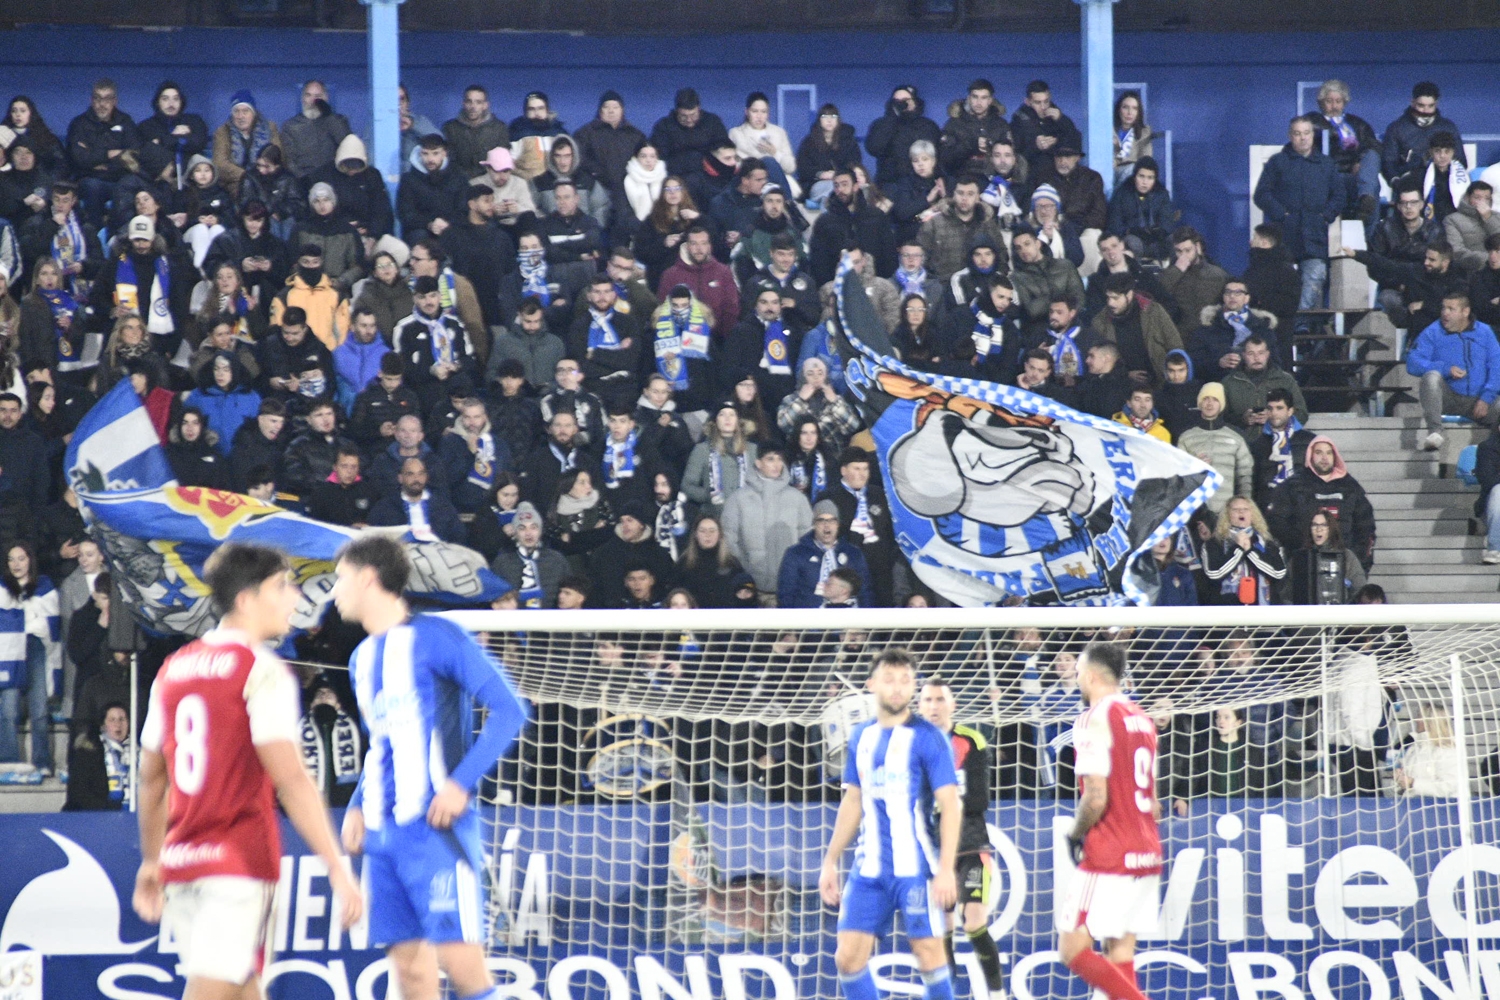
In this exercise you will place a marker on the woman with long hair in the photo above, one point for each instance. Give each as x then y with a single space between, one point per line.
52 322
1242 557
658 240
1430 765
1322 570
720 462
811 461
645 174
752 410
23 119
706 567
223 294
757 136
1132 136
829 146
581 520
23 588
917 341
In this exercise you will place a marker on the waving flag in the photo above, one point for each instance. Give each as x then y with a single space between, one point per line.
157 535
996 492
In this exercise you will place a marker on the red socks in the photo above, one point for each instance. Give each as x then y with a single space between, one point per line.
1102 974
1127 969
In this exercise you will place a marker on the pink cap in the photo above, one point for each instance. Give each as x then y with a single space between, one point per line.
499 159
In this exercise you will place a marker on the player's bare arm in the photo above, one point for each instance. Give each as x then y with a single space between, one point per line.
304 807
353 832
845 827
152 805
950 822
1091 806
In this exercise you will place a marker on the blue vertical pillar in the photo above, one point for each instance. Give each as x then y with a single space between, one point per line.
1099 85
385 82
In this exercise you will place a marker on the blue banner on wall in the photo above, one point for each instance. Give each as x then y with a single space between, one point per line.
1301 900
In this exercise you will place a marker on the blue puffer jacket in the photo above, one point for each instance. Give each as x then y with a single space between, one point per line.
1303 194
1475 350
797 582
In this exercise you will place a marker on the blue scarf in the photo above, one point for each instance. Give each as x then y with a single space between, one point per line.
989 333
775 359
716 474
619 459
602 335
531 594
1127 144
1239 322
1347 138
911 283
814 485
62 304
117 760
417 519
1067 359
671 525
482 472
861 524
246 148
439 336
504 517
534 281
1281 448
76 252
157 311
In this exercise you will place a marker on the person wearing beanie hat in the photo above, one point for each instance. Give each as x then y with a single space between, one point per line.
606 144
359 187
474 132
805 568
1141 212
1060 235
310 139
239 142
1215 443
172 128
535 570
687 134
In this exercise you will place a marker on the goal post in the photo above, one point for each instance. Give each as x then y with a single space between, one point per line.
1328 775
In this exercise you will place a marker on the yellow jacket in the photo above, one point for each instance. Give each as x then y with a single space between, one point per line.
327 308
1158 429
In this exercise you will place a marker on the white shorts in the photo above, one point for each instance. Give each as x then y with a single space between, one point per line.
222 926
1110 906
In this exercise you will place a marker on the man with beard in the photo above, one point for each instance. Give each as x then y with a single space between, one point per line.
1040 127
1407 138
1113 259
1247 388
144 280
848 220
1422 288
967 137
777 219
1140 328
688 134
947 236
1279 447
1065 340
1324 485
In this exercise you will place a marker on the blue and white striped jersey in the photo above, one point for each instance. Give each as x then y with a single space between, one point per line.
897 770
417 686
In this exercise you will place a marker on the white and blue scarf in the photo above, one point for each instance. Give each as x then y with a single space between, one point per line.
482 471
1281 449
681 337
419 525
533 267
75 253
118 759
1067 359
438 335
315 754
989 333
672 526
620 459
63 304
911 282
1347 138
999 196
158 308
775 357
829 564
246 148
716 474
530 591
14 610
602 335
1127 145
814 485
862 525
565 463
1239 322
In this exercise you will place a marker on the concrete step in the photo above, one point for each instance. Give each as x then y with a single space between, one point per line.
1442 543
1436 568
1435 596
1431 486
1419 501
1396 531
1464 582
1430 556
1458 514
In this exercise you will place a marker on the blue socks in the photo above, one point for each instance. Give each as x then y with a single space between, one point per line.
939 983
861 986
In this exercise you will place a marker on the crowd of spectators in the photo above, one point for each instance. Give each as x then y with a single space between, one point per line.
606 359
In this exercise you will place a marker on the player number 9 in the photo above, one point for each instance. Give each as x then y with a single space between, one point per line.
191 759
1144 769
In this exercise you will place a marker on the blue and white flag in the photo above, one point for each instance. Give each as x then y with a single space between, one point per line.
157 535
996 492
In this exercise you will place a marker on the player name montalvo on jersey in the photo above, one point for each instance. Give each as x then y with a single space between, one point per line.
207 665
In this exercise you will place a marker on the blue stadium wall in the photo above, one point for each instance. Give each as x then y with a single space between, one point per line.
1217 93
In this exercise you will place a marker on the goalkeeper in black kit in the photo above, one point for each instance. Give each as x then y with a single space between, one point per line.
976 863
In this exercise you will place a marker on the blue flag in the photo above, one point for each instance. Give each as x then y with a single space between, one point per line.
157 535
996 492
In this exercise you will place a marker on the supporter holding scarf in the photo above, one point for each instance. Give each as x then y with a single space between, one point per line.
532 263
137 264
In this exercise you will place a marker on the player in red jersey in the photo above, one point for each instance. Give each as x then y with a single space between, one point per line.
1113 895
220 744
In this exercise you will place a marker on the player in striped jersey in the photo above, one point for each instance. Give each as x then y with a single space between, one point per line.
898 770
976 865
417 679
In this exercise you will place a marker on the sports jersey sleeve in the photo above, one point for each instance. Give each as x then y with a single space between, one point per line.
937 760
153 730
1092 743
272 700
851 758
467 665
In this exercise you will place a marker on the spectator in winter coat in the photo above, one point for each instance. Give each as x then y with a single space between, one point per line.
969 134
828 148
1407 138
606 144
1484 287
427 516
1217 344
568 232
606 341
360 188
1039 126
1301 191
757 137
1115 259
1279 449
537 119
1038 277
482 252
225 398
1469 227
1420 289
1247 388
515 198
1351 143
633 546
257 447
310 458
356 362
1192 280
865 522
1443 179
1132 136
530 343
848 220
378 406
310 139
1177 396
563 165
1243 559
946 237
1140 328
433 345
1274 284
97 140
1061 236
272 185
335 234
475 132
173 129
891 136
532 568
1215 443
344 497
1141 212
1324 484
432 195
806 566
711 282
1139 412
1404 236
1458 362
765 517
192 450
920 193
688 134
1081 189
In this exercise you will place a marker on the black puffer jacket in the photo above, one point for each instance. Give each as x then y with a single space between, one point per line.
815 156
891 135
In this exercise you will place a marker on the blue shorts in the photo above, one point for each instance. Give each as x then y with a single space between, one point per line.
425 884
869 902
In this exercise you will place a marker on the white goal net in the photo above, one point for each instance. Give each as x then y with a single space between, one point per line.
1329 778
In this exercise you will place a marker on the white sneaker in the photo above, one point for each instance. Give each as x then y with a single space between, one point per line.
1433 441
998 994
1490 557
